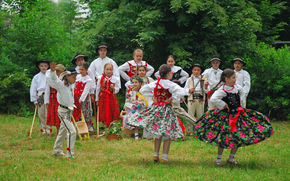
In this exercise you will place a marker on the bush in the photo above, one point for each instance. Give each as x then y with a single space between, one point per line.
270 74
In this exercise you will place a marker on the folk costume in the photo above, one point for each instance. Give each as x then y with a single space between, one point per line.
131 68
160 119
178 75
107 99
235 128
50 99
65 97
83 86
75 59
37 91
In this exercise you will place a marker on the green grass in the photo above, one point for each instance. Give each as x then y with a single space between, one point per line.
23 159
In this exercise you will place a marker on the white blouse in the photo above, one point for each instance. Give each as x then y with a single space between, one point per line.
244 80
213 76
145 81
125 68
184 75
38 84
114 80
88 87
216 99
176 91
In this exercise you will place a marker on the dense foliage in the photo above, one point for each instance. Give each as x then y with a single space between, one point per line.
193 30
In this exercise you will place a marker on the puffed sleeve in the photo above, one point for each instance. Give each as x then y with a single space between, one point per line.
150 70
177 92
184 75
33 90
157 74
122 70
247 82
87 89
216 99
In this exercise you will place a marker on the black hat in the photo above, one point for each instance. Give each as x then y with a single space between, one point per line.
42 61
215 58
102 46
239 59
77 56
72 70
197 65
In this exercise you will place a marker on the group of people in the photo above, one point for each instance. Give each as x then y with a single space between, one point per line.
154 105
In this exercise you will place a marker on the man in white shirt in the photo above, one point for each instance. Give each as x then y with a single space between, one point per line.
96 68
213 74
37 89
242 77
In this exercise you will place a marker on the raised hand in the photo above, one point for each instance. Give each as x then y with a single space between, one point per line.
52 66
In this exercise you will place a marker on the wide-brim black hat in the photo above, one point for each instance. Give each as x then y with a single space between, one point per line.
42 61
197 65
215 58
239 59
78 56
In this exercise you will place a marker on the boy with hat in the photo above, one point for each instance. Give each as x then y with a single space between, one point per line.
37 89
242 77
197 97
78 59
213 74
65 97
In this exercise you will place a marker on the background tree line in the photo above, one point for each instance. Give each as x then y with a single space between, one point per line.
192 30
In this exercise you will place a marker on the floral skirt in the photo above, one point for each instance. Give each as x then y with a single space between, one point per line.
158 120
233 130
52 116
128 115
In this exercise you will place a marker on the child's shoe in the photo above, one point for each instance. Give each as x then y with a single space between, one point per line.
234 162
156 159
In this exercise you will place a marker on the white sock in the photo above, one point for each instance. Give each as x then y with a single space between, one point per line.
219 158
156 154
232 157
136 136
165 157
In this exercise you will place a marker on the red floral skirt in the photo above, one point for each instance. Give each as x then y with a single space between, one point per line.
52 116
109 110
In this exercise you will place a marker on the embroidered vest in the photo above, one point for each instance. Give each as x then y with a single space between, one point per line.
133 69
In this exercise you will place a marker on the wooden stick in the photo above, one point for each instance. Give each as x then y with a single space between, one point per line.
74 121
30 131
185 104
98 119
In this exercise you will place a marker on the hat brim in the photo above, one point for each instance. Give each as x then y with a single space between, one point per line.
197 66
233 61
215 59
42 61
75 59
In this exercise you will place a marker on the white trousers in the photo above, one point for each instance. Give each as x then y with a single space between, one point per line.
66 129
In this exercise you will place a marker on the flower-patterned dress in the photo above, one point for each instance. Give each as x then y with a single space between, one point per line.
235 128
159 119
133 105
83 86
52 116
108 105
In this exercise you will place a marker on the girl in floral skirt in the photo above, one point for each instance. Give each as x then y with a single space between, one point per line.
134 103
228 125
160 119
83 87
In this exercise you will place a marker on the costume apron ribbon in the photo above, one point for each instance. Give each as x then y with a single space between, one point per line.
233 120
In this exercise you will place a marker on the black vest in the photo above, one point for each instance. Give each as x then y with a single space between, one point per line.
232 100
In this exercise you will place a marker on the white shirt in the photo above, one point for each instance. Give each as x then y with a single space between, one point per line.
38 84
77 69
196 84
216 99
89 85
183 75
65 94
176 91
97 68
243 79
213 76
114 80
126 68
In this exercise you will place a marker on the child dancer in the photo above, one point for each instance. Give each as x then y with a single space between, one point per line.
65 97
37 90
160 119
196 99
78 59
243 77
131 66
213 74
134 103
229 125
107 88
82 100
179 75
50 100
141 71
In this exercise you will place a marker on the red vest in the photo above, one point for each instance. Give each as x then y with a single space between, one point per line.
133 69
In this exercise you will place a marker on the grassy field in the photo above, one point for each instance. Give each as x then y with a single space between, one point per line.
23 159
